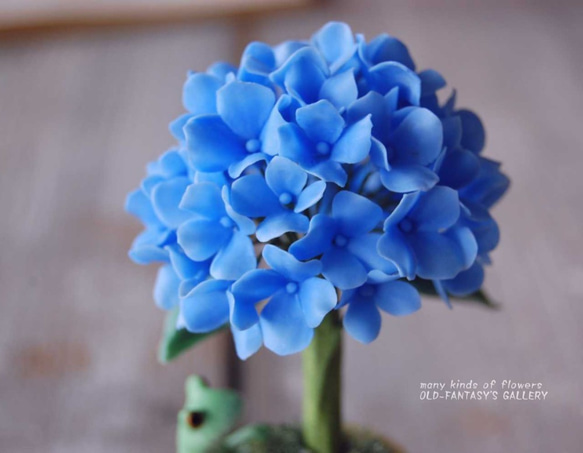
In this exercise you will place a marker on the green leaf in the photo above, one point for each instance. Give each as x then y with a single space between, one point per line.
176 341
480 297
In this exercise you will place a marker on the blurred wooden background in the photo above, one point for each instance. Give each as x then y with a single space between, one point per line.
81 114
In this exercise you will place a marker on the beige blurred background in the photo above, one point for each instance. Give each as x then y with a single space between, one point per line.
85 98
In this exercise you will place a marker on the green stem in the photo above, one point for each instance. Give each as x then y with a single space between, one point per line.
321 424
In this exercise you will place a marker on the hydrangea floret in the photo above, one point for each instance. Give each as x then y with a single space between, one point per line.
317 176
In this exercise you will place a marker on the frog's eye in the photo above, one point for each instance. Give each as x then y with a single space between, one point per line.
196 419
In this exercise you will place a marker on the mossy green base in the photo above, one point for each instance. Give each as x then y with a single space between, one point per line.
288 439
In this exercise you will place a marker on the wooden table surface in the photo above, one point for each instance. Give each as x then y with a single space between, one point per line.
82 113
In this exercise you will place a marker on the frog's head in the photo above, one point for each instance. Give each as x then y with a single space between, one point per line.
207 416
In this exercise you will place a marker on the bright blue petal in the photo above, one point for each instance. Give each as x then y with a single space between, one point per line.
258 284
284 109
335 41
284 176
466 282
319 238
288 266
176 127
418 138
232 261
393 245
318 298
247 342
443 256
166 288
310 196
365 249
252 197
378 155
356 214
276 225
408 178
354 144
257 62
245 107
436 210
343 269
373 104
286 49
397 298
201 239
204 199
211 145
340 90
206 307
284 328
147 247
166 198
199 93
362 320
221 69
186 268
385 48
140 206
238 167
385 76
243 313
329 171
402 209
320 121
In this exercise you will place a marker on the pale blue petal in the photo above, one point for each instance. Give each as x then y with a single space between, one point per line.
176 127
186 268
243 313
201 239
340 90
166 198
276 225
252 197
204 199
237 168
284 176
343 269
310 196
257 62
245 107
166 288
206 307
258 284
199 93
408 178
394 246
247 342
283 111
365 249
317 297
354 144
284 328
362 320
140 206
288 266
320 121
334 40
232 261
397 298
329 171
147 247
356 214
211 145
319 238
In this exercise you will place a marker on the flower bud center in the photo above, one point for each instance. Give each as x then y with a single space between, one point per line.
252 145
226 222
291 287
285 198
340 241
323 148
406 226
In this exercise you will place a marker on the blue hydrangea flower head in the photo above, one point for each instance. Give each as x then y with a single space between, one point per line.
312 171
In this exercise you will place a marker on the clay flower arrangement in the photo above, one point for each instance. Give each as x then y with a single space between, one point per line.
313 187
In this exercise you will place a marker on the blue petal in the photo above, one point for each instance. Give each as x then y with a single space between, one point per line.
378 155
343 269
238 167
199 93
431 81
362 320
245 107
310 196
211 145
252 197
284 176
206 307
443 256
166 288
284 328
385 48
176 127
436 210
319 238
320 121
288 266
329 171
235 259
204 199
466 282
286 49
452 131
257 62
473 134
356 214
221 69
184 266
318 298
139 205
459 168
385 76
397 298
247 342
258 284
408 178
376 105
166 198
402 210
354 144
243 313
365 249
335 41
147 247
276 225
340 90
284 106
394 246
418 138
201 238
